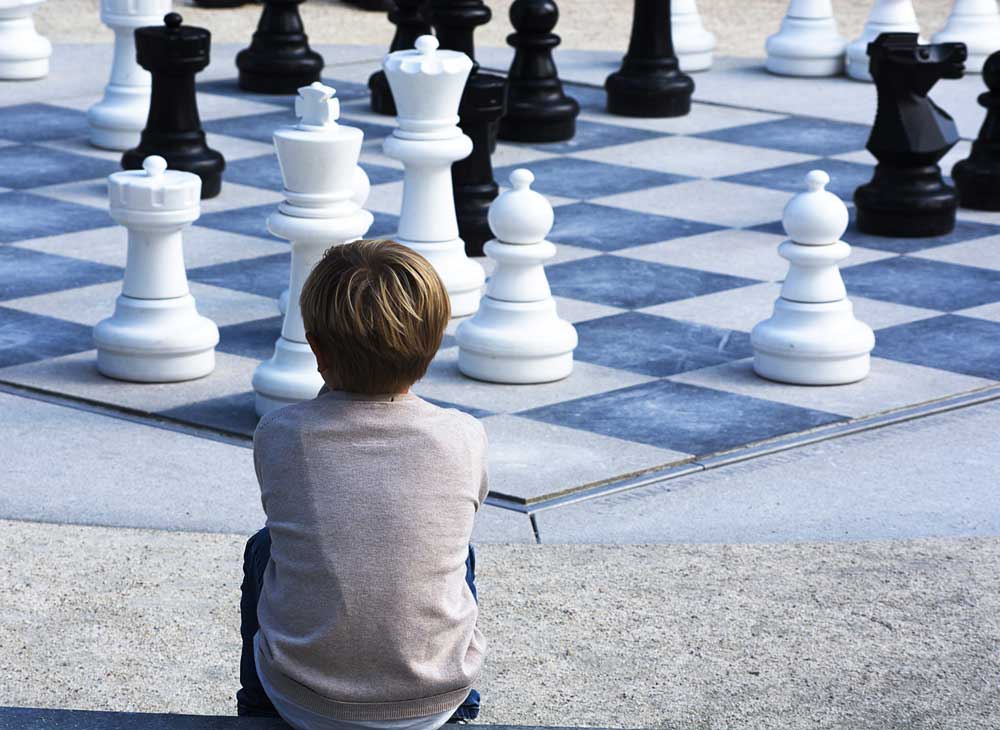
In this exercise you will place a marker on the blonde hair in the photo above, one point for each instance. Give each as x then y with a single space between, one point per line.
377 310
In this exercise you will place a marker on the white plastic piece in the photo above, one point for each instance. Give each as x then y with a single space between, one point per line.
517 336
318 158
808 43
812 338
156 334
692 43
887 16
24 54
427 85
976 23
117 120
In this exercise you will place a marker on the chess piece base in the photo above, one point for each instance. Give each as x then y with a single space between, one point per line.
270 76
116 122
24 54
156 341
463 278
548 118
906 203
657 92
289 377
806 47
978 185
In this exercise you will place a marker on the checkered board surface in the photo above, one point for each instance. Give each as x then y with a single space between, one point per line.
667 233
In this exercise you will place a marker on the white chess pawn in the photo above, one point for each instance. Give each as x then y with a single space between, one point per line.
693 45
808 43
976 23
427 85
813 338
887 16
517 335
318 158
24 54
117 120
156 334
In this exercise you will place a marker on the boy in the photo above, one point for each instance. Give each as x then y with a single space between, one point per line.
363 579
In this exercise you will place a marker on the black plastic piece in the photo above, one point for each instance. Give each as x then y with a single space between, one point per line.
411 23
907 198
279 59
978 176
173 54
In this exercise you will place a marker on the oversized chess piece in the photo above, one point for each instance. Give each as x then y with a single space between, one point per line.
24 54
482 106
537 108
976 23
517 335
813 338
156 334
693 44
427 85
807 43
117 119
907 197
174 54
408 17
279 59
887 16
977 177
649 82
317 159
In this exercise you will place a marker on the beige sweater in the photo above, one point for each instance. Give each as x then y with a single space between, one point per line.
365 613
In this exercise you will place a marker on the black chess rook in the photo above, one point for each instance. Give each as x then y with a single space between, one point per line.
409 17
279 59
978 176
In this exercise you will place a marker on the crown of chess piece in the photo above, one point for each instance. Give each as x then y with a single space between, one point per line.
517 336
812 338
887 16
409 18
155 334
24 54
808 43
693 44
907 196
173 54
976 23
977 177
537 108
649 82
279 59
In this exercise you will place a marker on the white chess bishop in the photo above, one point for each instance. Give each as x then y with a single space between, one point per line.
427 85
976 23
156 334
117 120
517 335
813 338
693 44
318 158
24 54
887 16
808 43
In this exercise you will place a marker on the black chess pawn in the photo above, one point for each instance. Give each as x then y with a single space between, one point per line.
173 54
907 197
649 83
537 108
978 176
279 59
411 23
483 104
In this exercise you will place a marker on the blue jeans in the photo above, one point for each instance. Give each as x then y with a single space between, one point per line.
251 700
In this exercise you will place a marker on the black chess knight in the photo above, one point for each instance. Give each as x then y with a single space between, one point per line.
978 176
907 196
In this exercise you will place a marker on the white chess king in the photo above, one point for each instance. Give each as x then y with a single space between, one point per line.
156 334
24 54
813 338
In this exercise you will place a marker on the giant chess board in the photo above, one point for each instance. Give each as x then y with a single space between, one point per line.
667 233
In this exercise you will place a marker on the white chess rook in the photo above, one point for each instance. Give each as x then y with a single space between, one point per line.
887 16
693 45
976 23
807 44
117 120
24 54
156 334
427 85
318 158
517 335
813 338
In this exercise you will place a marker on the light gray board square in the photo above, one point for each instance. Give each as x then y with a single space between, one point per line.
577 310
210 106
77 375
90 304
444 382
979 216
986 311
241 196
237 148
507 154
693 156
889 386
202 246
499 525
80 146
388 198
531 460
709 201
981 252
93 193
741 309
702 118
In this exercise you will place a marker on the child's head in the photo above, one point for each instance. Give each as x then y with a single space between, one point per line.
375 313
